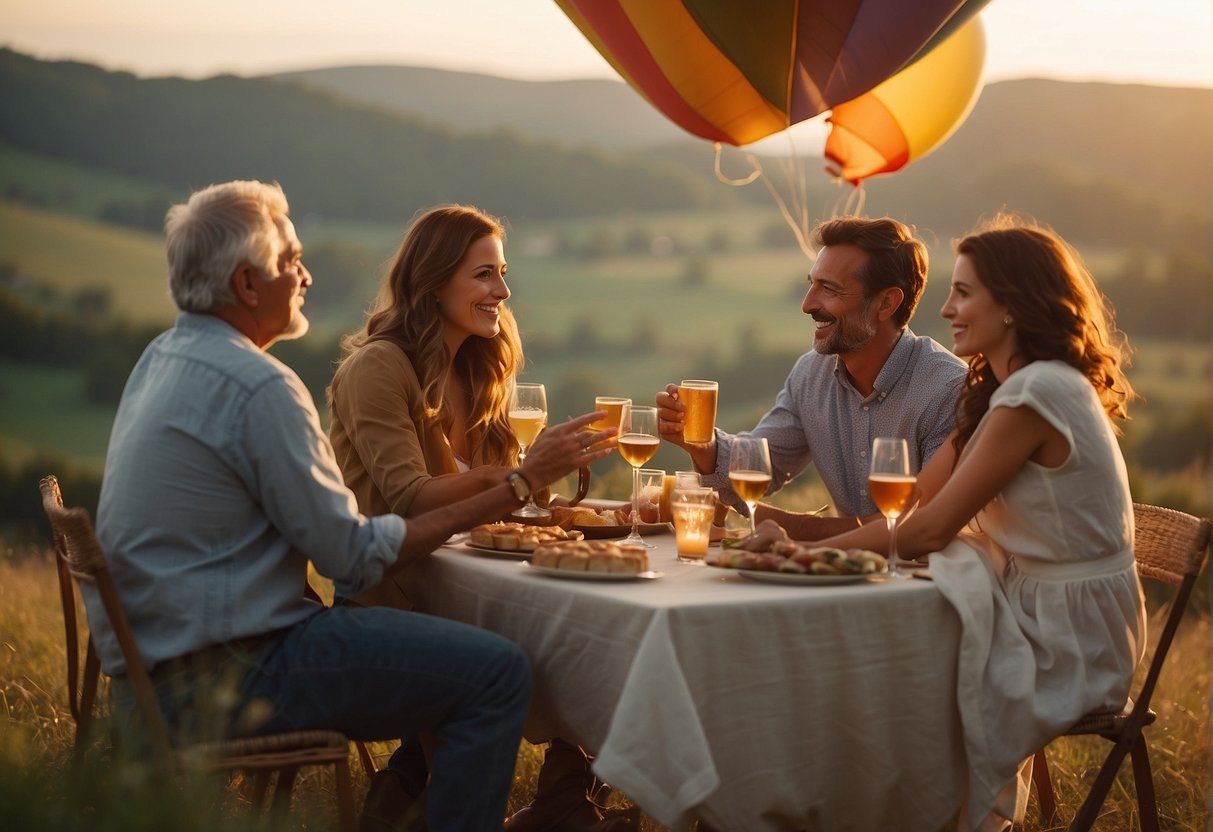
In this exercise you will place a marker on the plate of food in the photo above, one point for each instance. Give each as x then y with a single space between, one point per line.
515 540
770 555
577 575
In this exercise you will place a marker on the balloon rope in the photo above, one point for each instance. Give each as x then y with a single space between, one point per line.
799 225
737 183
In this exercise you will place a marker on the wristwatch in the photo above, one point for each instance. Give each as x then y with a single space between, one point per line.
522 488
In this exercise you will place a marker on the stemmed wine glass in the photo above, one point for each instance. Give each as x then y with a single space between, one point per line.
891 486
750 470
528 416
638 443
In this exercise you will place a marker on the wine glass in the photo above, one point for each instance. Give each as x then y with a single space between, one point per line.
891 486
528 416
638 443
750 470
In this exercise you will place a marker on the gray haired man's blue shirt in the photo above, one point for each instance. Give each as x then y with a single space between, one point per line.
219 486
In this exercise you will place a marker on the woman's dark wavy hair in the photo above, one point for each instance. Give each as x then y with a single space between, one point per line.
406 313
1058 313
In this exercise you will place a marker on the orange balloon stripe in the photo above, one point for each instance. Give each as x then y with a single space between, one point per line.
614 29
881 149
707 80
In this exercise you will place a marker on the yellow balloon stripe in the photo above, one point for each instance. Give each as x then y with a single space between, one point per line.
710 83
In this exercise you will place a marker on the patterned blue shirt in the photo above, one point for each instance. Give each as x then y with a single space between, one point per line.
820 417
219 487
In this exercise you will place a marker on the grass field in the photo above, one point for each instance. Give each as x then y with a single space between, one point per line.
37 791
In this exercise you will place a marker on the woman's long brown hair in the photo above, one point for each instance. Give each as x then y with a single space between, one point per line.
406 313
1058 313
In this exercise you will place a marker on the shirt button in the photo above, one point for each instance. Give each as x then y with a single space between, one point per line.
863 453
865 408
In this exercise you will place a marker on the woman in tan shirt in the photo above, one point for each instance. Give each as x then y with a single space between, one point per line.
419 417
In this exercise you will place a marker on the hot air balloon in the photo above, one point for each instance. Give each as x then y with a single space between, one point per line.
736 72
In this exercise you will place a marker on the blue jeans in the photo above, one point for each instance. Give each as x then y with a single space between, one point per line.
383 674
375 674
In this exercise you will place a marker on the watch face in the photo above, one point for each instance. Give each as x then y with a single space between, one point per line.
521 490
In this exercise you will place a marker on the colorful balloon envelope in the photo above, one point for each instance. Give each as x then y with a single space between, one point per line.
735 72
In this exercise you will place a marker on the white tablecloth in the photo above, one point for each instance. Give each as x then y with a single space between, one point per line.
751 706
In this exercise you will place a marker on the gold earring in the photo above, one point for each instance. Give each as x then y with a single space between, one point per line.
1007 321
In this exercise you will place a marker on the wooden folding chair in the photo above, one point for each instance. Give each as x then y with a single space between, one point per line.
1170 547
79 555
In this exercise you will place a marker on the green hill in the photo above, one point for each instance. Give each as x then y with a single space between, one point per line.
74 255
336 158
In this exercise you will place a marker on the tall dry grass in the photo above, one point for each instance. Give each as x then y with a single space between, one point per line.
38 789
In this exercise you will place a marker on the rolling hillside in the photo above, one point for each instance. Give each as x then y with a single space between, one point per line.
337 158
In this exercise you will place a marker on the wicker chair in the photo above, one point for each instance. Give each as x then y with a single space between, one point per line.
79 557
1170 547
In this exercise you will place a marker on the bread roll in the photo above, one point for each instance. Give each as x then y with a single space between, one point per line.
592 556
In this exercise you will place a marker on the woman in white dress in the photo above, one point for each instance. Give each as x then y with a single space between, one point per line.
1027 510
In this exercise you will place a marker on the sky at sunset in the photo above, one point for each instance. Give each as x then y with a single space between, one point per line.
1151 41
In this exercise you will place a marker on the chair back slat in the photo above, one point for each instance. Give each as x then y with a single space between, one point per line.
1169 544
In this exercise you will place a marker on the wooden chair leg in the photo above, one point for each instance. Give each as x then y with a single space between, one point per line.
368 762
261 784
1088 813
283 790
88 698
1143 780
1045 795
345 797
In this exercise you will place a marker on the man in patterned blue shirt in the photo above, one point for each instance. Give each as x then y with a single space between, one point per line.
867 375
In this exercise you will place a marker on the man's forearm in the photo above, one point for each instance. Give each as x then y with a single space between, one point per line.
806 526
426 532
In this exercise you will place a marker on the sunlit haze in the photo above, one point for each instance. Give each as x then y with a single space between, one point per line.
1147 41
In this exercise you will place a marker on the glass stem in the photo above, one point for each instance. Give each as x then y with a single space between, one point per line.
635 502
893 544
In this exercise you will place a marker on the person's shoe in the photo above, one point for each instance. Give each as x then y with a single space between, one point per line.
390 807
562 802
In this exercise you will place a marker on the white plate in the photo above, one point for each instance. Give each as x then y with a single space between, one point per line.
504 554
796 578
591 576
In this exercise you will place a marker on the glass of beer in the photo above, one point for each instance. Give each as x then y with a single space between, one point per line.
638 443
750 470
699 399
528 416
892 488
612 409
693 507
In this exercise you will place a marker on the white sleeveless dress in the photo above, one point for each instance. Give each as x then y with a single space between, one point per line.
1045 584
